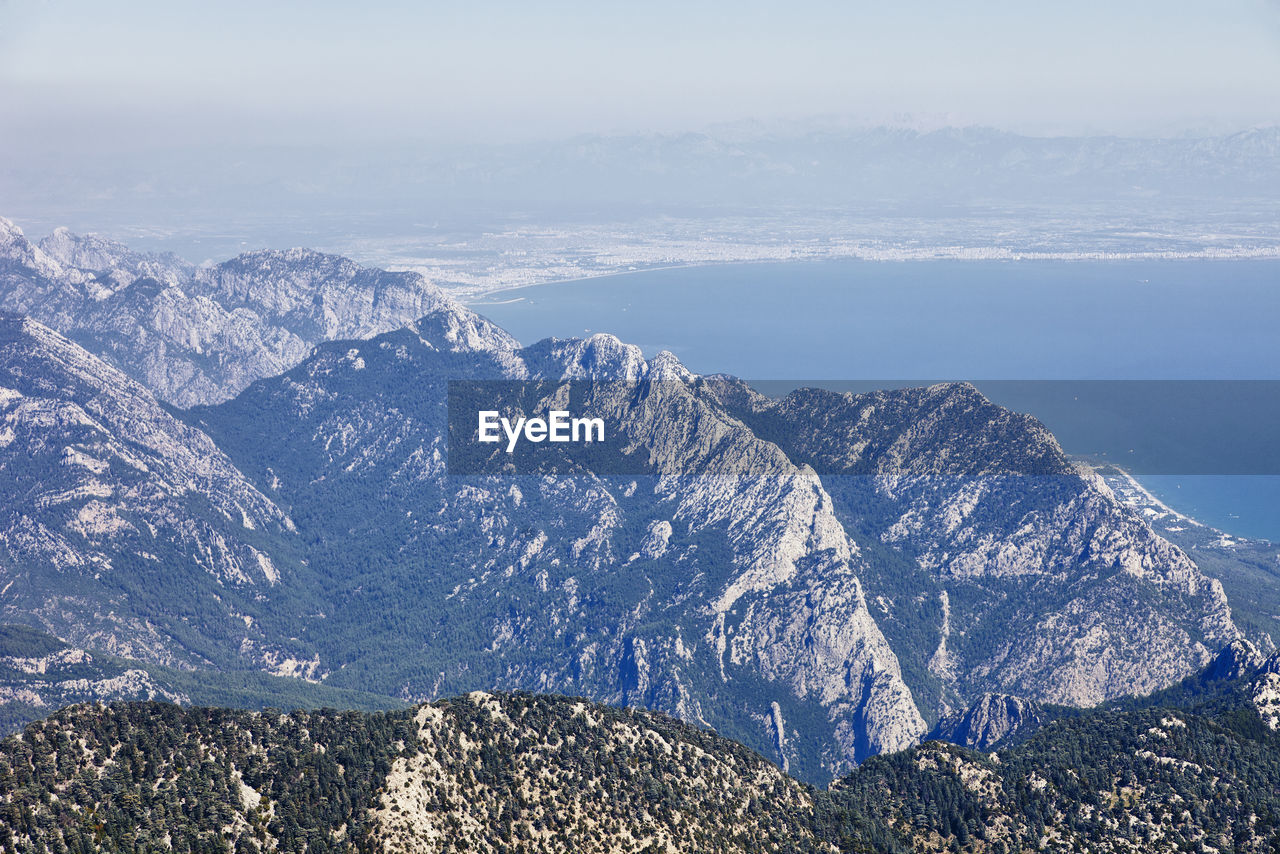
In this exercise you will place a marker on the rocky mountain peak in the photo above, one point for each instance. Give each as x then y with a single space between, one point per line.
1265 691
197 336
666 367
602 356
87 252
1238 658
451 326
11 235
20 252
990 719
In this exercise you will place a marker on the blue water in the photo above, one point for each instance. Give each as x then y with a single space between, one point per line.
840 321
1242 505
846 320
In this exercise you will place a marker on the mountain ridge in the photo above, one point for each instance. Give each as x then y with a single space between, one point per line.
519 772
821 577
792 571
202 334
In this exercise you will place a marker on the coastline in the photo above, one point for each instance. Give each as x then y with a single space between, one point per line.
1149 498
485 294
473 300
1216 532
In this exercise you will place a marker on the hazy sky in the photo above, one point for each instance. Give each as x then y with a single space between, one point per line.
462 70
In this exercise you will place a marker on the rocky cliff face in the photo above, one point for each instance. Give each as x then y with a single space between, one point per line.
816 576
716 598
201 335
115 516
1264 691
990 720
1236 660
1046 585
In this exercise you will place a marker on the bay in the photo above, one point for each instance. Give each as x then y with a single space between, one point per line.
1070 325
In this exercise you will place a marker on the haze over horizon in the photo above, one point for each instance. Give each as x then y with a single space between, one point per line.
320 123
152 73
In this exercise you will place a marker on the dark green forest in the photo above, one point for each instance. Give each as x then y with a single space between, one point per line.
1194 768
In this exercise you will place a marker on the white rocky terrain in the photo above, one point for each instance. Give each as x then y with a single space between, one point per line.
1265 691
39 674
429 802
108 502
483 772
977 508
1243 662
819 577
201 335
527 772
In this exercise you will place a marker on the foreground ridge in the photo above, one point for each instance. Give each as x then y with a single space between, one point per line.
516 772
1192 768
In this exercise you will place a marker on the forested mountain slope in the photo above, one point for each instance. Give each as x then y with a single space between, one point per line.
822 577
1195 769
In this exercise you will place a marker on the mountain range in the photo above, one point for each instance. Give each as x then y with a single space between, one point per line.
201 335
246 468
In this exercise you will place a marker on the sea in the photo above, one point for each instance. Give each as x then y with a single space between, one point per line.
1168 368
